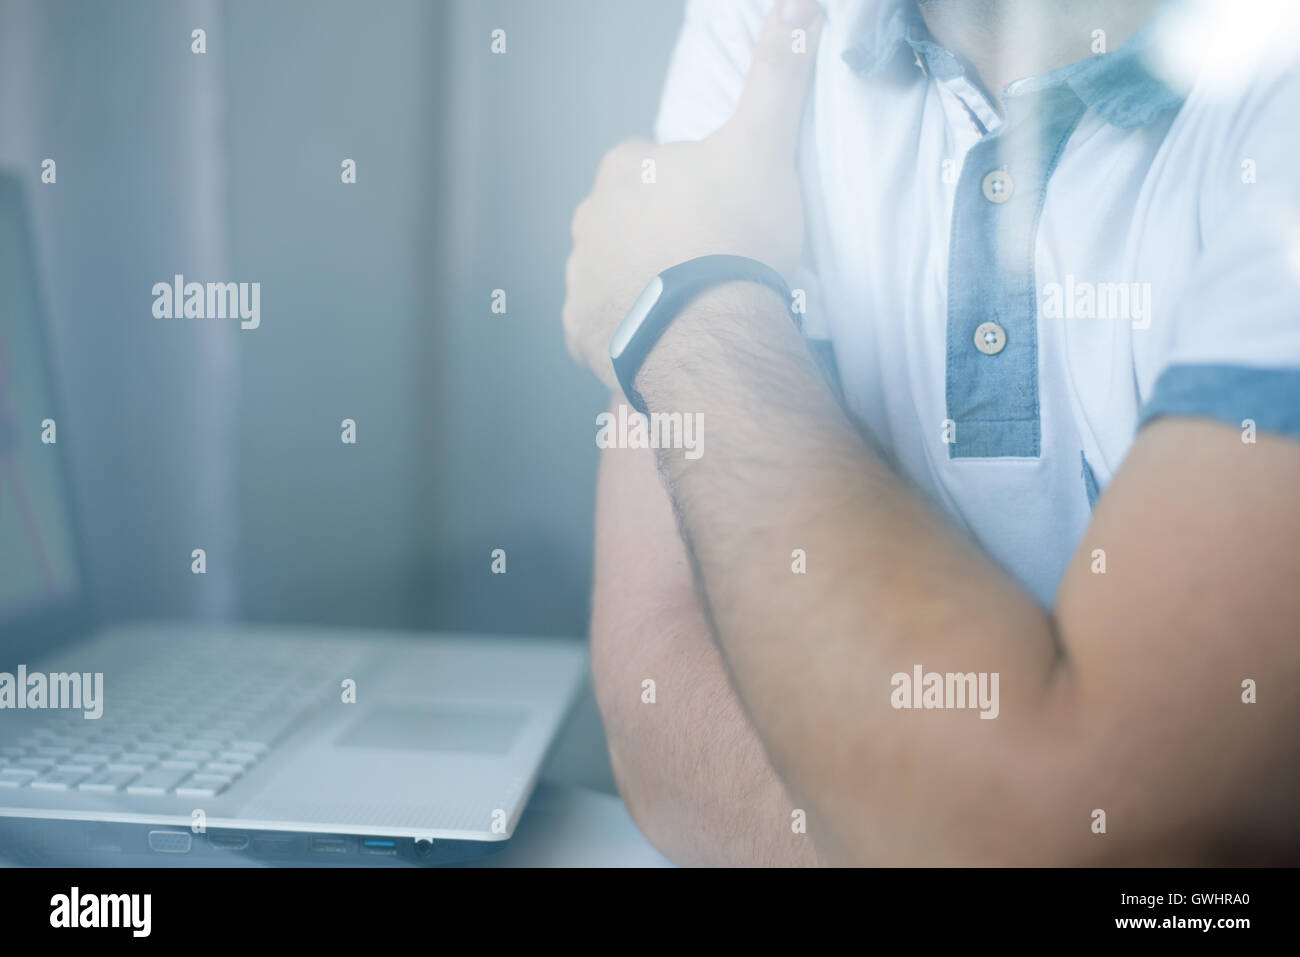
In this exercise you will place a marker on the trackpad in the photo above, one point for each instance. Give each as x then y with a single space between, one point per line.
489 731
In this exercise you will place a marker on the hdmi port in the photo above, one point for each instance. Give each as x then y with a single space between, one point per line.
229 842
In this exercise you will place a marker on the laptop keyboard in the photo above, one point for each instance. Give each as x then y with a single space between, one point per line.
190 732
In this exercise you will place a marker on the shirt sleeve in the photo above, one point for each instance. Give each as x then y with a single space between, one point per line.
708 67
1234 351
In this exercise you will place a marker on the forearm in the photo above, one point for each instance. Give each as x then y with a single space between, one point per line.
689 765
690 768
888 586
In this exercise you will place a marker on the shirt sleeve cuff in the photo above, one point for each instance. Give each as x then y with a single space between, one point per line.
1229 394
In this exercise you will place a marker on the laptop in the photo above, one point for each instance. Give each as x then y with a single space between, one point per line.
166 743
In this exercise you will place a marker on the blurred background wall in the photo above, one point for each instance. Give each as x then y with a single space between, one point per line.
474 431
134 123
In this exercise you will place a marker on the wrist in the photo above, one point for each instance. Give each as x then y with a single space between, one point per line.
698 352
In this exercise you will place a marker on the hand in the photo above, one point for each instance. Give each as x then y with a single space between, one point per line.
736 192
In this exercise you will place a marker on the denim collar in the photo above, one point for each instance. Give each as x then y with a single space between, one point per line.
898 27
1118 86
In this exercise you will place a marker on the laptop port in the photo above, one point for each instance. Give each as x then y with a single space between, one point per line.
274 846
229 842
331 845
379 846
170 842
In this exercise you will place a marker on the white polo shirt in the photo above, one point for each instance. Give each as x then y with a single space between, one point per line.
1010 299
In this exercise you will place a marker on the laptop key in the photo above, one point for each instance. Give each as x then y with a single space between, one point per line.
248 746
57 780
143 758
134 768
70 765
108 781
101 747
106 745
51 751
158 781
116 738
221 767
241 758
190 754
269 728
88 759
203 785
69 737
34 763
171 738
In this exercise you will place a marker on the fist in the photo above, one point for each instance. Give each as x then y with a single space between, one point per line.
735 193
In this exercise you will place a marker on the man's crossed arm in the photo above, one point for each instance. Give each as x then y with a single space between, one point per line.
1124 698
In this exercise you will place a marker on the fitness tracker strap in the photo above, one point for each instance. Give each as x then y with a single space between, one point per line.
664 298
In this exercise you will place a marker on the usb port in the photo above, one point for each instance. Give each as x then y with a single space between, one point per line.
379 846
273 846
330 845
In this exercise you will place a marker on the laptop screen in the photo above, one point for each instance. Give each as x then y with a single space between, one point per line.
38 570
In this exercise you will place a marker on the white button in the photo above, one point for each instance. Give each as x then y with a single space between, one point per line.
990 338
998 186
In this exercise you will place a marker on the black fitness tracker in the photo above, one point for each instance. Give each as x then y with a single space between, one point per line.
665 296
